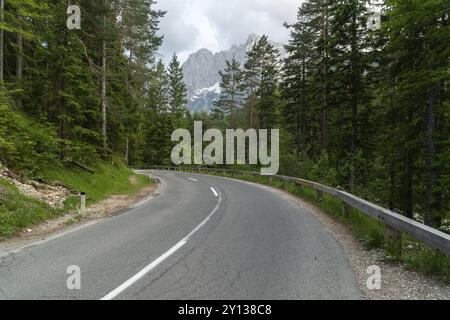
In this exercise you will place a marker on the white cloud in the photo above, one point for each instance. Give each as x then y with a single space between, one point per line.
217 24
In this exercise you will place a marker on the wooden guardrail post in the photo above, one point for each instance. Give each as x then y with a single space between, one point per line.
319 195
270 180
393 240
345 209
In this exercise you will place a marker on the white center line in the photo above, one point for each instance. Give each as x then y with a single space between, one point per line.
124 286
192 179
214 191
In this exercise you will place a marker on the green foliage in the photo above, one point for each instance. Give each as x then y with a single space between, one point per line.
231 96
106 181
62 72
375 101
24 144
177 89
429 261
322 171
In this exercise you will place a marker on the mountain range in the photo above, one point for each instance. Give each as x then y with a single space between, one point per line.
201 72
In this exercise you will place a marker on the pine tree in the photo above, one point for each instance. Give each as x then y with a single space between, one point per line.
417 65
268 95
297 85
261 82
158 97
177 89
250 82
348 56
307 86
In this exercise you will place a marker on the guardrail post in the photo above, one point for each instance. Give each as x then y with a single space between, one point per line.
345 209
319 195
83 204
270 180
393 240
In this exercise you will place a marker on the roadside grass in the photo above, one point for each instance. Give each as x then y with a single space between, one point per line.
18 212
107 180
416 255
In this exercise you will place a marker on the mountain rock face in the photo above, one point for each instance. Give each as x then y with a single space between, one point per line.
201 72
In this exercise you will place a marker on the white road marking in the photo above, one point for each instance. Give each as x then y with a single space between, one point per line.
124 286
214 191
192 179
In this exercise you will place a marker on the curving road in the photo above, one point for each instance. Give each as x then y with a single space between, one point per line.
203 237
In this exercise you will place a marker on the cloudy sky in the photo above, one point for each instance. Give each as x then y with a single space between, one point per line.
190 25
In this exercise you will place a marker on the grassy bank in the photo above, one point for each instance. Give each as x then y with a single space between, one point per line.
416 255
18 211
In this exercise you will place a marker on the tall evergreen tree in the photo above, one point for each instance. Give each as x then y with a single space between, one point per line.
261 82
418 64
231 95
177 89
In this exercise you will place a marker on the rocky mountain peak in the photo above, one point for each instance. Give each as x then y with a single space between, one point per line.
201 72
252 38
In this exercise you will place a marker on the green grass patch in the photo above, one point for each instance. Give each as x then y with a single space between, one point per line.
107 180
18 211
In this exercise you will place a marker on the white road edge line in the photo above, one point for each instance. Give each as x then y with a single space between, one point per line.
214 191
192 179
124 286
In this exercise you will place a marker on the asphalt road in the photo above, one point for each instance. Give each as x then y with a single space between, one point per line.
203 237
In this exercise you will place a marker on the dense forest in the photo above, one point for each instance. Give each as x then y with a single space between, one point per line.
362 98
88 94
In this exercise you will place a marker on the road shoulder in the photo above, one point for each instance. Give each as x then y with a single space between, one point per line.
72 221
397 283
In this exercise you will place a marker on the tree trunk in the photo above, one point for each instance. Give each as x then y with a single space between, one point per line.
324 113
103 97
252 102
19 67
127 151
61 102
408 204
392 162
354 88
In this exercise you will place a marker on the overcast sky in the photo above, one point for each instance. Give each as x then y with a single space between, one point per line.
190 25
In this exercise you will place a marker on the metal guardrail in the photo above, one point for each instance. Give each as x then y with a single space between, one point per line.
395 223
